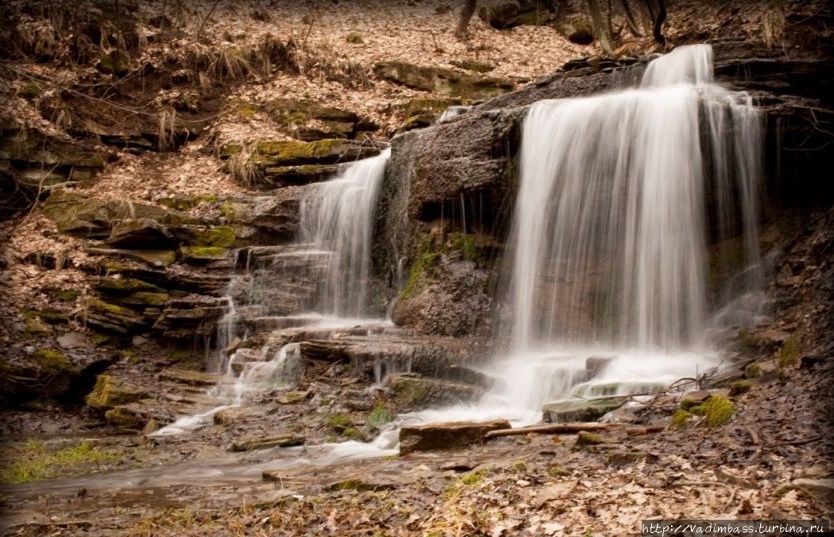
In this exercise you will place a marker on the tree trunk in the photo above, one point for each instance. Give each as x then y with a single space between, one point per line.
600 29
465 16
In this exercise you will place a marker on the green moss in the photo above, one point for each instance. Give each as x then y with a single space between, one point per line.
409 391
124 286
62 295
740 387
34 327
227 211
717 410
557 470
51 361
217 236
109 393
473 478
244 109
204 252
753 371
123 418
289 152
35 460
425 260
148 299
585 438
465 244
788 353
339 422
107 307
179 204
680 418
53 317
380 416
519 466
353 433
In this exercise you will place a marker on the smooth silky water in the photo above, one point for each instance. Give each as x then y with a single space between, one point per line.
610 234
608 259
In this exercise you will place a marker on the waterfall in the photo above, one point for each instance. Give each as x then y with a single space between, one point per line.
338 217
614 208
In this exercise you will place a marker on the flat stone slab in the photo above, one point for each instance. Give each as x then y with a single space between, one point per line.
450 435
571 410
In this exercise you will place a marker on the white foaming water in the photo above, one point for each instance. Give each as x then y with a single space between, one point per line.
453 112
336 224
610 238
339 217
610 228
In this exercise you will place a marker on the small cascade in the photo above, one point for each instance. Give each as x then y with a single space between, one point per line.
320 283
338 217
453 112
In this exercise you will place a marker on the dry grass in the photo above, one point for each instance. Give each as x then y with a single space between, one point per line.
240 166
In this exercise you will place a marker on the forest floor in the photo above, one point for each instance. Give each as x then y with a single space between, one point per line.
747 469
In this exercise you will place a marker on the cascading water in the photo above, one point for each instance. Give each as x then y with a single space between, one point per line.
338 217
612 219
336 225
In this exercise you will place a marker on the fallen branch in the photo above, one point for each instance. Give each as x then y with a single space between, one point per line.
571 428
561 428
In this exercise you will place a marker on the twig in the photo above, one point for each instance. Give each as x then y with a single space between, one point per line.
801 442
561 428
211 11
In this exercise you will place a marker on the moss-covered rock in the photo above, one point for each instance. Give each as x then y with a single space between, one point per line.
116 63
717 410
113 317
214 237
124 417
740 387
570 410
443 81
309 120
288 153
60 294
422 112
77 214
203 254
110 392
587 438
123 286
473 65
411 392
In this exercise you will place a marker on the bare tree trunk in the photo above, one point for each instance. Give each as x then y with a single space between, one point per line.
658 22
465 16
600 29
632 22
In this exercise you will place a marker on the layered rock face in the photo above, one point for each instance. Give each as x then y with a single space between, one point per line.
449 189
